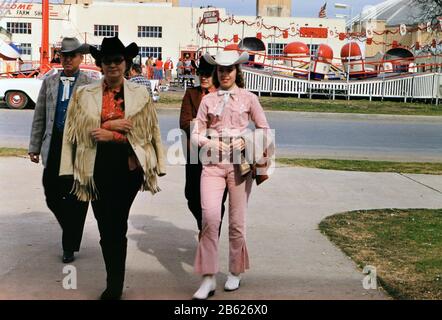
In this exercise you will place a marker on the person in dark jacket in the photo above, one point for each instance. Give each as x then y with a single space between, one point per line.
189 109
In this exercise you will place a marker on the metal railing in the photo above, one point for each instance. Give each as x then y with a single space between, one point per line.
406 87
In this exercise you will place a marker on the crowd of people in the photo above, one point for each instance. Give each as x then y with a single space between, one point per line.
157 69
100 143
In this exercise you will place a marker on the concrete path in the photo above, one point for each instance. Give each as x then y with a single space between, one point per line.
290 258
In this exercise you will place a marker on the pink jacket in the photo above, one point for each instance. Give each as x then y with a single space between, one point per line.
241 107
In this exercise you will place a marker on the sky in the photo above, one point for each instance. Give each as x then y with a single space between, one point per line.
299 7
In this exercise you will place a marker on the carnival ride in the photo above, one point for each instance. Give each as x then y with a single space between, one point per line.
297 61
301 70
405 72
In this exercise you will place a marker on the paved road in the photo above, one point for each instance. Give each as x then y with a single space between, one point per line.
306 134
290 258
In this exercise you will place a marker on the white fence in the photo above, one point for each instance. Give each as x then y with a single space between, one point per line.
406 87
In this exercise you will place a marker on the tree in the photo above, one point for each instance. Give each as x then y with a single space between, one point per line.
431 10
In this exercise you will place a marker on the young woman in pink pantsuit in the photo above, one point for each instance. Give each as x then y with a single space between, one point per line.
222 118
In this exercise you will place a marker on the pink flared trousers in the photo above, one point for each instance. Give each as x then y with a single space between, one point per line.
214 179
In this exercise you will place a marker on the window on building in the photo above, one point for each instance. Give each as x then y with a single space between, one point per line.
313 49
275 49
25 48
19 27
103 30
150 32
150 52
274 11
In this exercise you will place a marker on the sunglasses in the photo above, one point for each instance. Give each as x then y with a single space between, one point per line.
204 74
109 60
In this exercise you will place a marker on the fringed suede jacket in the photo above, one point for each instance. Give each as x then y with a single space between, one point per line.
79 148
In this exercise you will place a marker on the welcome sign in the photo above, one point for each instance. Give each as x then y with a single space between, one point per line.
33 10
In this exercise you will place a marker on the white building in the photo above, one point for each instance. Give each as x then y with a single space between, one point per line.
158 28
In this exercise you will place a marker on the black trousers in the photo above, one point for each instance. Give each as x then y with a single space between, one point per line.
192 191
117 187
70 212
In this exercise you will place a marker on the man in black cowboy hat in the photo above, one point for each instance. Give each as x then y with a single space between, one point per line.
46 139
189 109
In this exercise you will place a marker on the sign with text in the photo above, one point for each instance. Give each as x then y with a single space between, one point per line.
33 10
210 17
310 32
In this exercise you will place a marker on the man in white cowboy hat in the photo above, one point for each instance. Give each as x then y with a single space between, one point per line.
46 140
220 130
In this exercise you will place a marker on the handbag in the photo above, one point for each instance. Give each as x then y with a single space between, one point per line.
259 178
244 167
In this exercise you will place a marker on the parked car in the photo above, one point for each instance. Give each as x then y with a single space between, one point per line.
19 93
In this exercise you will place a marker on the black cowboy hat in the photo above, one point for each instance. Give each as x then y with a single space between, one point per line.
113 46
204 67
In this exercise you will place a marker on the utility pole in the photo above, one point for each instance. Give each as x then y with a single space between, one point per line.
273 60
44 51
349 30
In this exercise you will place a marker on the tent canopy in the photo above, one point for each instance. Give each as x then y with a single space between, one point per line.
9 51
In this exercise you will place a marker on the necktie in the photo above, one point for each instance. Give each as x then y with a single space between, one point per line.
226 97
66 87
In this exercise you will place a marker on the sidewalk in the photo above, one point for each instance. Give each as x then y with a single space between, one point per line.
290 258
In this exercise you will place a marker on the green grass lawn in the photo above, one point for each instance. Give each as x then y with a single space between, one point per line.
351 106
173 99
405 247
13 152
170 99
366 165
344 165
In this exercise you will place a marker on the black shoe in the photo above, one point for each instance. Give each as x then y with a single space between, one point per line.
110 294
68 256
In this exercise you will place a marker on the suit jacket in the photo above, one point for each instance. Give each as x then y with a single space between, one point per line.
44 113
189 108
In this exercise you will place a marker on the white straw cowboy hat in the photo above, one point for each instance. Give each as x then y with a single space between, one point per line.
227 58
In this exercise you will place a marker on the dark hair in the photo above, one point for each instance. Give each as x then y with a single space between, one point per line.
239 80
137 68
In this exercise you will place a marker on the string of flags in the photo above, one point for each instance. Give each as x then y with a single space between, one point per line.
295 30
